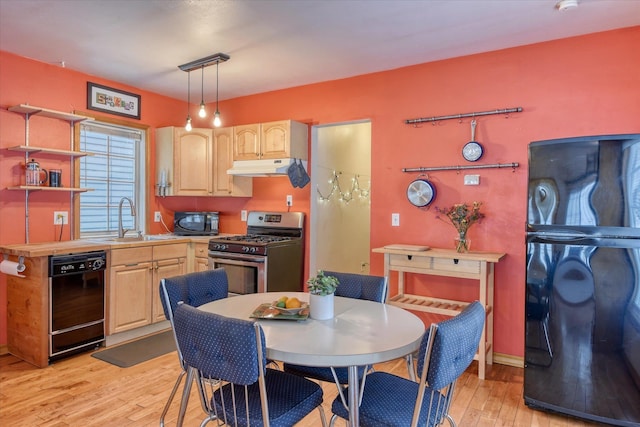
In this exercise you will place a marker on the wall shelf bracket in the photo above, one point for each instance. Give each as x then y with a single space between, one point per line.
462 167
461 116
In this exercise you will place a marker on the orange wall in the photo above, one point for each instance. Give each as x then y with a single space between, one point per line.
579 86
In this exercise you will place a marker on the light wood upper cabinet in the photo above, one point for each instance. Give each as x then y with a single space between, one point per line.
246 142
196 163
187 158
223 183
271 140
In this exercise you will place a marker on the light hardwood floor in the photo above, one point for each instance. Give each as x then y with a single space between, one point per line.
84 391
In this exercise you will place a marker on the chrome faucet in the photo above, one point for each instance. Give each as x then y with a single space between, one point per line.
121 230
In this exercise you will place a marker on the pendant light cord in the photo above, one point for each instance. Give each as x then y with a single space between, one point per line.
217 86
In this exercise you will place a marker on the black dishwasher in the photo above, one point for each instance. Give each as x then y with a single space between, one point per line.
76 302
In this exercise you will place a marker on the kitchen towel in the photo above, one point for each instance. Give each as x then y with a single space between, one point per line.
303 177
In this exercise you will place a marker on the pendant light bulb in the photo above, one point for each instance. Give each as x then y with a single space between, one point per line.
202 113
216 117
187 126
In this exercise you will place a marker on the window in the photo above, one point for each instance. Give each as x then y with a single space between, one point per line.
114 171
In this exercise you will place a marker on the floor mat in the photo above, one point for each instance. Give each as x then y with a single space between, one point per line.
138 351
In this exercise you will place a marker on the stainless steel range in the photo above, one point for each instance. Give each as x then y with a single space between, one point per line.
269 258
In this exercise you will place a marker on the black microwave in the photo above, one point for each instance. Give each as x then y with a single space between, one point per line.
195 223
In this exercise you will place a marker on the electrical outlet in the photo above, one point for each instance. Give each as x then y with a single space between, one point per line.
395 219
243 215
472 180
289 200
157 216
60 217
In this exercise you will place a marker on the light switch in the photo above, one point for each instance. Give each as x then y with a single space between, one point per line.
395 219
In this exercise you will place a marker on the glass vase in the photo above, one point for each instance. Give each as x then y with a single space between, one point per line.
462 243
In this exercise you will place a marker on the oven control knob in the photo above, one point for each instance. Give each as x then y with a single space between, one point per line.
245 249
97 264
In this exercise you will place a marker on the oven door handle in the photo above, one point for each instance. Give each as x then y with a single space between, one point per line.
237 259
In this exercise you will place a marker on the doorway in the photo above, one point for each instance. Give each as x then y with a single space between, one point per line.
340 197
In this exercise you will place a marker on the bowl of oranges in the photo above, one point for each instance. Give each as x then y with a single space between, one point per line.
288 305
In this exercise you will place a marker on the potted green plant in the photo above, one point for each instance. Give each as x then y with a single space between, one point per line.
321 292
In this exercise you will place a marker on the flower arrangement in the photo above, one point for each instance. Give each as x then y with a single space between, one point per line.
462 216
322 285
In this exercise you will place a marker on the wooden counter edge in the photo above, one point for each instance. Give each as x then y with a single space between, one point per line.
31 250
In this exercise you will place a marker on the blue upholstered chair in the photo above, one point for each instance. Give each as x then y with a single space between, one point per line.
446 351
229 355
351 285
194 289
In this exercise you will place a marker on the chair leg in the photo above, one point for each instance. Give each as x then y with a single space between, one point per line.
171 396
410 368
323 419
334 417
186 391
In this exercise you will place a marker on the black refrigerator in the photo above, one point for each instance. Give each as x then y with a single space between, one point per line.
582 305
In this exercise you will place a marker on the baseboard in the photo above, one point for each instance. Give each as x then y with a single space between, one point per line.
509 360
4 349
133 334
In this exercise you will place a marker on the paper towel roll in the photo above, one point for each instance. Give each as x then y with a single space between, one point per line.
12 268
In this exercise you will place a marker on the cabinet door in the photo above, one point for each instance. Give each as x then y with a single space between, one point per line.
223 183
284 139
201 257
275 140
193 162
246 142
130 296
223 160
201 264
163 269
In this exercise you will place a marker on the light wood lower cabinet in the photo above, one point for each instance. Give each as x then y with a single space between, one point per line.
134 278
201 258
169 260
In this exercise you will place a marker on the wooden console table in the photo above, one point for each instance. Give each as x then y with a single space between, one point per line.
444 262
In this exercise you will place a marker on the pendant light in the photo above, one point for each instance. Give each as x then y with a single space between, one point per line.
201 63
202 113
216 117
187 126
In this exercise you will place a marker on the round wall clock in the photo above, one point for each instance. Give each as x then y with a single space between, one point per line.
472 151
421 193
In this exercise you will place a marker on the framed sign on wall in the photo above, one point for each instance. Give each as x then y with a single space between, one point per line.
113 101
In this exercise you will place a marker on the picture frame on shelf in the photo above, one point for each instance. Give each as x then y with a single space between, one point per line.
113 101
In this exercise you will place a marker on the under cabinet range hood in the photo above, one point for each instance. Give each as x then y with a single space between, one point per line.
266 167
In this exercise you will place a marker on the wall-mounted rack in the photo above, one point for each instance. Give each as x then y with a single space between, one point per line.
461 116
459 168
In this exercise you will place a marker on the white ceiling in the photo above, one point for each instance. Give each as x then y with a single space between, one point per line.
277 44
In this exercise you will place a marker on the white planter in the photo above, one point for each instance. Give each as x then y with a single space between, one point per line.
321 306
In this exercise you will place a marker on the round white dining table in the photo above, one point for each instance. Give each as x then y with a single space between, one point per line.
360 333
